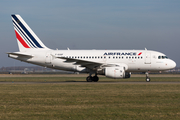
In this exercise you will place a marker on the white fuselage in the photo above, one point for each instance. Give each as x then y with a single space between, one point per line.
135 60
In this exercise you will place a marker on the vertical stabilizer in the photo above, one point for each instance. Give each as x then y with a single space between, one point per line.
26 38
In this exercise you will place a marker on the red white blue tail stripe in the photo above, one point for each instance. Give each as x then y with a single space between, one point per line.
24 34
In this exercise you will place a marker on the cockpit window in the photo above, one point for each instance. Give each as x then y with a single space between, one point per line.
162 57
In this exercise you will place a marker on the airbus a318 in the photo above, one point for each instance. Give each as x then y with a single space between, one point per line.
115 64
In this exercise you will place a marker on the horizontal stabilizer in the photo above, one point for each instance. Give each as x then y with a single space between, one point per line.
21 54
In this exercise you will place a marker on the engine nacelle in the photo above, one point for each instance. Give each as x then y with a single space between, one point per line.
116 72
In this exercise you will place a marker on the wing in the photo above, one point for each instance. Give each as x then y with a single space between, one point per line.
90 64
84 63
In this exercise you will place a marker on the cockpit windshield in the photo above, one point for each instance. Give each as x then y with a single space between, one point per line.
162 57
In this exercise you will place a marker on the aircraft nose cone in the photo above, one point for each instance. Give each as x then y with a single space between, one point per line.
172 64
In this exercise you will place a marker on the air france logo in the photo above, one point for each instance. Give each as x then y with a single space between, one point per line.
123 53
140 53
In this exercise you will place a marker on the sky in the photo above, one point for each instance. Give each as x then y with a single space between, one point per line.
94 24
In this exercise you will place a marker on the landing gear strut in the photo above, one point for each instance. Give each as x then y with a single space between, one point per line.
147 77
92 79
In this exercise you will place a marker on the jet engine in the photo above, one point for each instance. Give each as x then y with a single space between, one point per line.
116 72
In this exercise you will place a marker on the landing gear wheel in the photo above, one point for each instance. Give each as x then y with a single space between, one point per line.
95 78
148 79
89 79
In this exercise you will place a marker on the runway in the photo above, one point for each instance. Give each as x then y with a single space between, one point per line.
84 82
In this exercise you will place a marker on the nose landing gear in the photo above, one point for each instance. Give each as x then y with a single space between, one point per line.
147 77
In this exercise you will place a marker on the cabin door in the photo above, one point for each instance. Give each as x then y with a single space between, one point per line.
148 58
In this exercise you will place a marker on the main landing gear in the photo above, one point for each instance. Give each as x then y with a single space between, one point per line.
147 77
92 79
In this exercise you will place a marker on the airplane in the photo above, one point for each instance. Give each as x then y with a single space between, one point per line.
116 64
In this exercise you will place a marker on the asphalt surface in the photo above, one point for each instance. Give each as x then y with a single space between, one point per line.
84 82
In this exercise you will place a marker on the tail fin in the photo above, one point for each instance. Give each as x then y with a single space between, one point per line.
26 38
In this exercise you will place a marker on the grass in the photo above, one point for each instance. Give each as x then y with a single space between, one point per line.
72 77
89 101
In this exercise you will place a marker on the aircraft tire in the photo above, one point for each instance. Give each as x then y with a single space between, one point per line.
148 79
89 79
95 78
